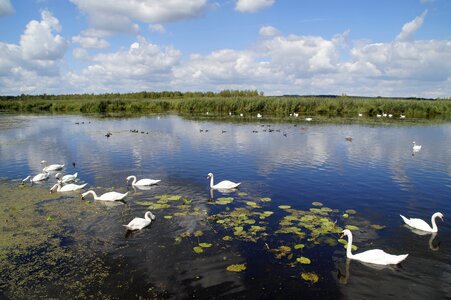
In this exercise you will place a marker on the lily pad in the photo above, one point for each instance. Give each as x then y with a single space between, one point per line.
351 227
317 204
227 238
198 249
304 260
345 216
168 217
351 211
266 199
224 200
312 277
284 206
299 246
205 245
377 227
236 268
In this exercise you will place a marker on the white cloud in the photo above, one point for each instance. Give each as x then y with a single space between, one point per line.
142 66
251 6
33 65
91 42
268 31
157 28
6 8
409 29
80 53
38 41
118 15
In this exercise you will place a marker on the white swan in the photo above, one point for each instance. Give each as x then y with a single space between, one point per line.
225 184
66 188
38 177
308 119
374 256
110 196
416 147
140 223
422 225
66 178
54 167
144 181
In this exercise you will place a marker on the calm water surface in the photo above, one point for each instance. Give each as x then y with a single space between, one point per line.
376 175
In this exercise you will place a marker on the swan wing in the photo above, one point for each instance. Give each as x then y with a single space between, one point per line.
112 196
417 224
40 176
226 184
137 224
379 257
147 181
72 187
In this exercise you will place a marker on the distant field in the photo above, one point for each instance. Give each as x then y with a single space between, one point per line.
235 102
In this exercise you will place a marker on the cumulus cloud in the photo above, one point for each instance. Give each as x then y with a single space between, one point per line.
91 42
268 31
36 59
409 29
118 15
38 41
251 6
6 8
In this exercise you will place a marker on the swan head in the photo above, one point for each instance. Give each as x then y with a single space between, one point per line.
151 215
53 188
58 175
43 162
439 214
345 232
84 195
209 175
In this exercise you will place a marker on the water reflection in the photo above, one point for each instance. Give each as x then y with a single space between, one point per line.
375 174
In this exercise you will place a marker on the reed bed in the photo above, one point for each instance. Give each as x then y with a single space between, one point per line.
226 102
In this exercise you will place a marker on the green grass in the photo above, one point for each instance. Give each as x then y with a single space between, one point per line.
236 102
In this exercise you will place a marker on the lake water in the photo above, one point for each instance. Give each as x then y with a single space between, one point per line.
301 183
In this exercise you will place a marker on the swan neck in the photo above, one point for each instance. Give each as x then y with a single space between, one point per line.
93 194
211 181
147 216
349 246
134 180
434 225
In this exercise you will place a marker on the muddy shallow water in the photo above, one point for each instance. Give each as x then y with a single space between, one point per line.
275 237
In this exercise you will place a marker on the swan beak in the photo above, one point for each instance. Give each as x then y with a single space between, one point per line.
342 235
82 198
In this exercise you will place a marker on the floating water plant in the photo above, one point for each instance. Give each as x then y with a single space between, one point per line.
236 268
311 277
198 249
304 260
224 200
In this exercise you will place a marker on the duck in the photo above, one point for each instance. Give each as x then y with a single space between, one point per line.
144 181
140 223
416 147
225 184
422 225
66 178
110 196
53 167
58 187
36 178
374 256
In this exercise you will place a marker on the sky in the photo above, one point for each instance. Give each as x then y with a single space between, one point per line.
383 48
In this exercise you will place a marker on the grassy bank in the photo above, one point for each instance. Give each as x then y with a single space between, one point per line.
236 102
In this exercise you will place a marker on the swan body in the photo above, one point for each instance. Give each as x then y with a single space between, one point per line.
38 177
308 119
66 178
140 223
225 184
144 181
54 167
110 196
422 225
374 256
416 147
67 188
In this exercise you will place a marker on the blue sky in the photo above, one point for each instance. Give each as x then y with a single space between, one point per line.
369 48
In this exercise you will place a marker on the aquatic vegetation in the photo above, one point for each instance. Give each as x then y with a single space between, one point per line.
311 277
198 249
304 260
236 268
224 200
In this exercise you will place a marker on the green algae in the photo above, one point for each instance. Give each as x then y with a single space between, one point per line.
236 268
311 277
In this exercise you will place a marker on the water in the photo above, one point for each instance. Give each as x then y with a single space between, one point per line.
376 174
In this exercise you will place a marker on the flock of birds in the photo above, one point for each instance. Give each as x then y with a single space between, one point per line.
64 184
374 256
